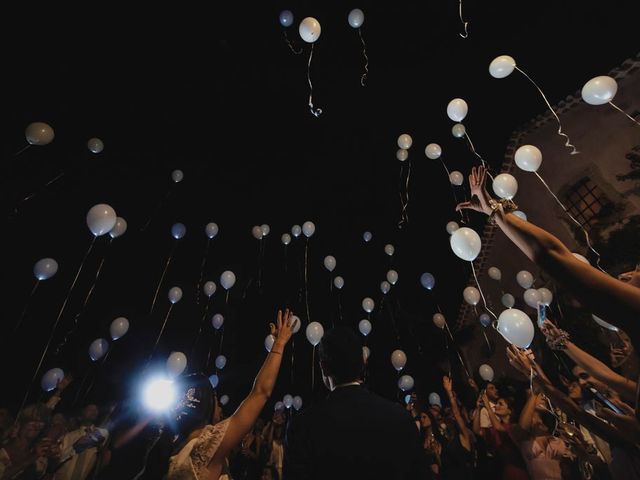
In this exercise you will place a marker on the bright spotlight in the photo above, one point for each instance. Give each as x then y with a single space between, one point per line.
159 394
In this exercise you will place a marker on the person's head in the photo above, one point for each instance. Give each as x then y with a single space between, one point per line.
585 380
436 412
269 472
90 413
492 392
504 410
197 405
574 390
30 429
340 357
542 423
424 417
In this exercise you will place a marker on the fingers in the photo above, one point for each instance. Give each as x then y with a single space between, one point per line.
463 206
272 329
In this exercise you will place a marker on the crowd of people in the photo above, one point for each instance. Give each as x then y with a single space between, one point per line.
561 413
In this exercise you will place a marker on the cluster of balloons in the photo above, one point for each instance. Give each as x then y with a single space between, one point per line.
102 218
260 231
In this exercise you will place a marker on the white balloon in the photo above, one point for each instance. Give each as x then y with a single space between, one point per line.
392 277
178 231
118 328
101 218
175 294
458 130
427 280
452 227
521 215
314 332
209 288
296 230
221 361
495 273
297 402
434 399
439 320
308 228
45 268
508 300
256 231
599 90
516 327
398 359
338 282
51 378
389 249
211 230
367 236
433 151
265 229
95 145
405 382
217 321
286 18
279 406
457 109
365 327
119 228
456 178
368 305
385 287
402 154
505 185
486 372
268 342
224 399
528 158
309 29
285 238
471 295
356 18
330 263
604 324
365 353
287 400
176 363
524 279
177 176
532 297
98 348
39 133
214 380
502 66
296 323
466 243
546 297
405 141
227 279
582 258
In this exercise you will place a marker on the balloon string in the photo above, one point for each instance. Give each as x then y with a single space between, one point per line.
406 194
453 342
33 194
21 150
226 298
306 279
55 325
466 32
625 113
393 324
164 272
567 144
202 264
260 264
363 79
84 379
473 150
339 307
24 311
293 352
285 259
486 340
156 209
164 324
95 374
221 340
290 44
313 369
205 314
484 301
453 191
315 111
446 346
401 222
573 219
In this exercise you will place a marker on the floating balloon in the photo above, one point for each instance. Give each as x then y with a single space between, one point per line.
308 228
389 249
405 141
465 243
365 327
221 361
314 332
51 378
119 328
456 178
286 18
285 238
119 228
45 268
407 399
471 295
356 18
546 297
439 320
217 321
433 151
175 294
402 154
516 327
502 66
604 324
296 230
98 348
296 323
39 133
405 382
176 363
178 230
368 305
338 282
95 145
297 402
505 185
279 406
101 218
520 214
582 258
457 109
268 342
392 277
508 300
458 130
524 279
211 230
256 231
427 280
224 399
452 227
486 372
385 287
214 380
330 263
177 176
309 29
532 297
367 236
209 288
599 90
485 319
495 273
227 279
265 229
528 158
398 359
434 399
287 400
365 353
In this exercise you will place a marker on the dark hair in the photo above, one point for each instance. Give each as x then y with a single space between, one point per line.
341 353
274 471
548 419
195 406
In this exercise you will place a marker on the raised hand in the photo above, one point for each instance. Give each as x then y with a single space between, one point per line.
480 198
447 384
283 329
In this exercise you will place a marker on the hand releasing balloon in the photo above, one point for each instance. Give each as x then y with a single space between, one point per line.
466 243
309 29
176 363
356 18
365 353
101 218
599 90
45 268
405 141
516 327
39 133
457 109
502 66
528 158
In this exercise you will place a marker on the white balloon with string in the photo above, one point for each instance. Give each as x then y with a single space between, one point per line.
600 90
546 297
457 109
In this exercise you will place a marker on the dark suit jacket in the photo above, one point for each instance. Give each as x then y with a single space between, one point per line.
353 434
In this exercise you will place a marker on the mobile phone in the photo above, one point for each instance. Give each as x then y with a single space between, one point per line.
604 400
542 314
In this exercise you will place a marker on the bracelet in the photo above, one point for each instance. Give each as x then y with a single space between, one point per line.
504 205
559 342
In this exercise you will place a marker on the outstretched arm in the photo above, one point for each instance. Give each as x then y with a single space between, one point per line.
464 431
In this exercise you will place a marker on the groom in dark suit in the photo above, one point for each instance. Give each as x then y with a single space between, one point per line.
354 433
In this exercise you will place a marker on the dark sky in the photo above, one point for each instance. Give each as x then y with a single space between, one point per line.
217 93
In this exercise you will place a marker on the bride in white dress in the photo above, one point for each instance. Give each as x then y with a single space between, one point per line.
203 446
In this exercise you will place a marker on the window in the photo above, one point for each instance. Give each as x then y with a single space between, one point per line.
585 201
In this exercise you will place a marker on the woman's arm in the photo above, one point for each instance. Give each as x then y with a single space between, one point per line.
495 421
464 431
